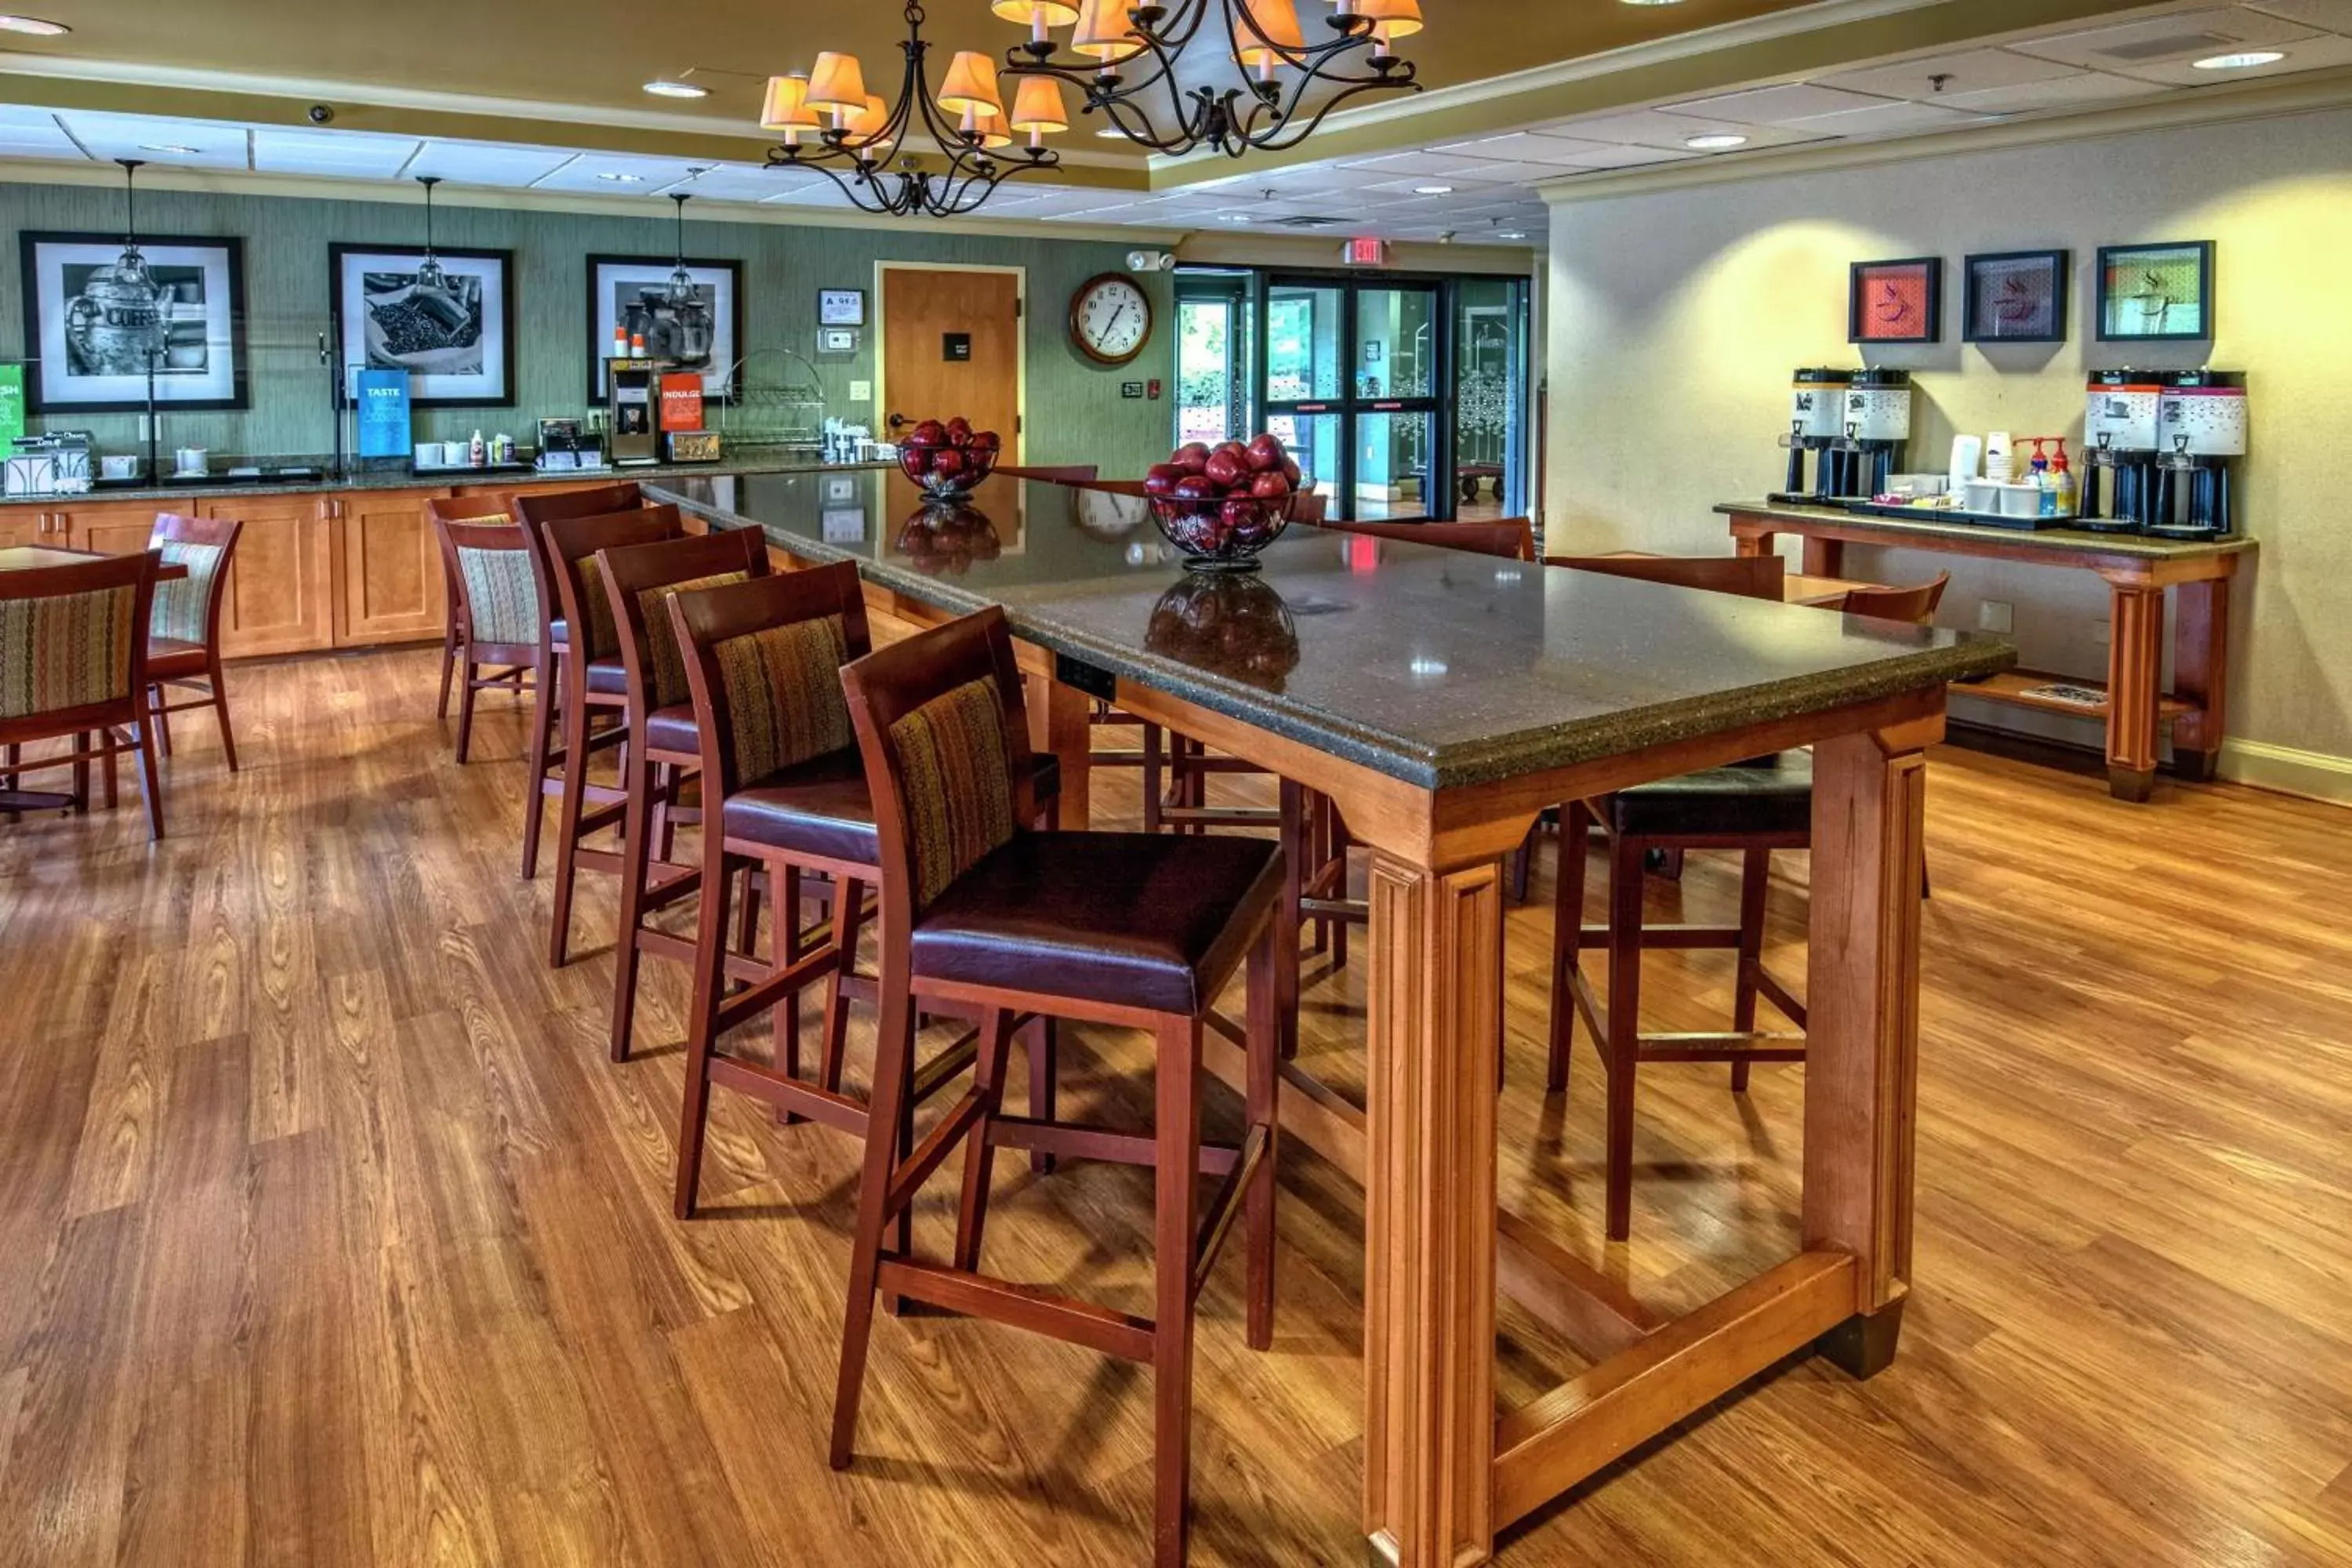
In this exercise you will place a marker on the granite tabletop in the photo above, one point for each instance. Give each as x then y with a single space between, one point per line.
1929 527
403 478
1433 666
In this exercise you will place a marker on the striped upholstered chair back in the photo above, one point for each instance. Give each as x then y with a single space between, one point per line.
636 580
488 565
571 544
944 733
188 609
763 663
73 646
535 512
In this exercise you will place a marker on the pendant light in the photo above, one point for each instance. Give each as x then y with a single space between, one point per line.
430 290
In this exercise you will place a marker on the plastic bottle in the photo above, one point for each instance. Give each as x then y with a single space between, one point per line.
620 342
2062 479
475 453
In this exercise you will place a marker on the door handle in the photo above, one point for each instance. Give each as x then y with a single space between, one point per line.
899 420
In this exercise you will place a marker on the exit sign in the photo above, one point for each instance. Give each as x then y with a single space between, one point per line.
1366 253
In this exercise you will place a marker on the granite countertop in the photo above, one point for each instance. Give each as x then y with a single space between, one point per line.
1436 666
402 479
2142 547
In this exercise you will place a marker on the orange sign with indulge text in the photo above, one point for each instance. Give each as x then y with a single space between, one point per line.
681 401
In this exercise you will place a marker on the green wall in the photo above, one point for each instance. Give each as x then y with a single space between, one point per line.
1074 412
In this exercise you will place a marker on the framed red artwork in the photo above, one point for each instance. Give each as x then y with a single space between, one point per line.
1897 301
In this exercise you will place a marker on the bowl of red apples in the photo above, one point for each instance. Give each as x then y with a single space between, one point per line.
1221 505
949 460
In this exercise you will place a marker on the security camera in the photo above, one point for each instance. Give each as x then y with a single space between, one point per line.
322 115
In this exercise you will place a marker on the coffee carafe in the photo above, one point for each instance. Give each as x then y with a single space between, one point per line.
1877 428
2120 422
1816 422
2201 430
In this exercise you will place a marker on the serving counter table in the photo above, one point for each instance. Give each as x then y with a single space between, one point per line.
2135 706
1443 700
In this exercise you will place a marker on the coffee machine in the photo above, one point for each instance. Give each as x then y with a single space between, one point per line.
2120 418
1877 428
2201 429
1816 421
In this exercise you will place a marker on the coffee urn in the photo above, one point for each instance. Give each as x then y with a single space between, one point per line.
2201 431
1816 421
1877 428
2120 413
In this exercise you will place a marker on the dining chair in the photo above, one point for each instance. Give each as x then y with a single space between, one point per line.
534 513
440 510
1915 604
497 610
1128 930
664 747
184 635
75 639
594 686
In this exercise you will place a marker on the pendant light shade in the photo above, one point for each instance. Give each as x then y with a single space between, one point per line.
1105 32
787 108
1056 13
971 87
1277 20
869 128
1391 19
838 83
1038 105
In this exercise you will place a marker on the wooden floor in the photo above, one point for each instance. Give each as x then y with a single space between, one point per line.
327 1236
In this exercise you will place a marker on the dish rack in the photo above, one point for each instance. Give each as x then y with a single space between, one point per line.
784 410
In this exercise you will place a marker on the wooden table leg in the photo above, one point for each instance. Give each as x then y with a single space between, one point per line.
1059 723
2201 674
2135 677
1824 557
1429 1314
1751 545
1862 1039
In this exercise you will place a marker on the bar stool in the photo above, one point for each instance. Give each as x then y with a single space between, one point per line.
484 510
664 746
593 682
496 595
1134 929
184 635
533 513
77 636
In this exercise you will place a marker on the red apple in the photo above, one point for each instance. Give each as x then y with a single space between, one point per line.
1161 479
959 431
915 458
1194 487
1239 514
1290 472
947 463
1192 457
1266 452
987 441
1272 484
929 432
1225 470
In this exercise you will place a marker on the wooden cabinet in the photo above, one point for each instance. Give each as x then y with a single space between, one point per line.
281 588
24 525
111 528
387 568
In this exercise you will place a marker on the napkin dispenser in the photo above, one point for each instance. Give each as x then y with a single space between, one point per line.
52 465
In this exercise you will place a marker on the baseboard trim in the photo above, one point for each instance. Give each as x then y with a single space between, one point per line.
2314 775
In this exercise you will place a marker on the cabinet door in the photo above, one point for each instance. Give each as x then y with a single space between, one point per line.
25 525
281 595
120 528
388 566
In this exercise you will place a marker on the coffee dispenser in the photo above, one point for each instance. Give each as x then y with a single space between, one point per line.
1816 422
1877 428
2121 410
2201 431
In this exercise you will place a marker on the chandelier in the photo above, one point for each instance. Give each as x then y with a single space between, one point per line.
829 122
1129 56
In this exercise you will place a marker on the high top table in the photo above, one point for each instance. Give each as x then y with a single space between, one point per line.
1443 700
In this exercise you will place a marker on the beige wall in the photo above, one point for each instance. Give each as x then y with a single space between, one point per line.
1675 316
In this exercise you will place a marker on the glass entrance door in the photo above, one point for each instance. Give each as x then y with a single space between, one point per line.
1214 383
1490 438
1353 376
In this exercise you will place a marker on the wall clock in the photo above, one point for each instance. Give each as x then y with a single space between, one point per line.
1110 318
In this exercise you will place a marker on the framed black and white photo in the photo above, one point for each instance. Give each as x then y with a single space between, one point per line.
841 307
99 318
697 328
449 323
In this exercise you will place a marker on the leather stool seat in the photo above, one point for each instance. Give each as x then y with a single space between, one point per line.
822 807
607 679
170 656
559 632
672 729
1768 796
1146 919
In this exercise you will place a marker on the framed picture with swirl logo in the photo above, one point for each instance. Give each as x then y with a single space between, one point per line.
2016 297
1897 301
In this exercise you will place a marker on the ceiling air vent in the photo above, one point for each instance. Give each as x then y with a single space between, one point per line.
2166 48
1304 220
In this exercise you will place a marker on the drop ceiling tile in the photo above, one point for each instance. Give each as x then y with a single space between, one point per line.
2336 15
1672 133
1776 105
354 154
1412 185
2131 48
2318 51
27 132
631 176
489 163
216 145
2059 93
1396 163
814 190
1620 156
1938 76
1533 147
728 182
1889 118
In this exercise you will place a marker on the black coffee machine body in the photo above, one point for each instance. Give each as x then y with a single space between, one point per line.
2202 425
2121 420
1817 418
1878 428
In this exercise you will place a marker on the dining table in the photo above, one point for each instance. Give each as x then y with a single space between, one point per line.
1441 702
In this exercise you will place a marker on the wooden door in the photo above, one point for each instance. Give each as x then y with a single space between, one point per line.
922 311
389 566
281 586
122 528
25 525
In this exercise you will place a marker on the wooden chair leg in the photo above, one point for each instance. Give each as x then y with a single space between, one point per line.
1298 808
567 832
1567 937
1755 877
448 668
1339 843
162 716
848 920
220 709
1045 1044
642 780
894 1044
150 785
545 705
1624 1046
702 1031
81 774
1154 769
1176 1180
789 946
1262 1105
108 771
979 1155
467 685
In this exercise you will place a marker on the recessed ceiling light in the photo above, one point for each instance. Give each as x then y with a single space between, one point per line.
35 26
1653 1
1233 217
1111 133
1714 142
167 147
1512 234
623 179
2240 61
662 88
1433 190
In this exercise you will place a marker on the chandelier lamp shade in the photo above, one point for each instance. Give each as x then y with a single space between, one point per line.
1153 71
861 141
